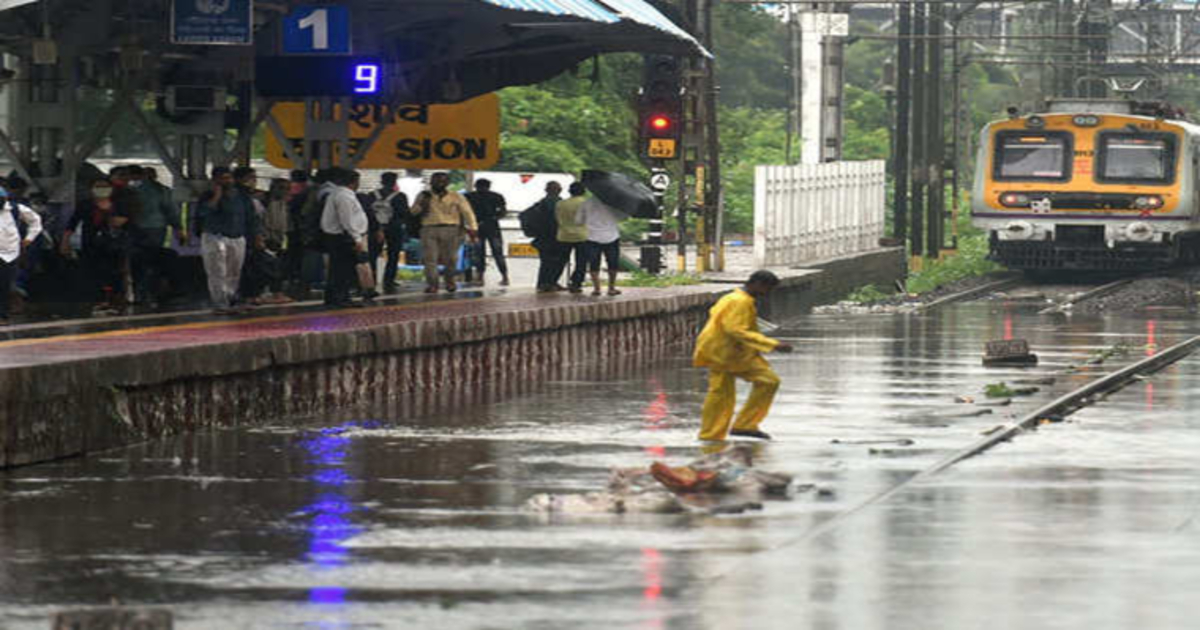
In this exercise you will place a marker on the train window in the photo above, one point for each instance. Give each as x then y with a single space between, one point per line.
1023 155
1136 158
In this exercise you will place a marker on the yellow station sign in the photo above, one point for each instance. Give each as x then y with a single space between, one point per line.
462 136
662 148
522 250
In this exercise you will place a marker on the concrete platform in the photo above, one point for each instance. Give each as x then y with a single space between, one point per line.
74 389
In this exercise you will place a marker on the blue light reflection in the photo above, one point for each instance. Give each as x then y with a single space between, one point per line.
329 513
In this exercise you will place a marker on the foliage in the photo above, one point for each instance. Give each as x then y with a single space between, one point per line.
751 137
867 294
642 279
971 260
1002 390
998 390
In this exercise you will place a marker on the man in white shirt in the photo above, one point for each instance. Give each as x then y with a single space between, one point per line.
604 239
344 227
13 240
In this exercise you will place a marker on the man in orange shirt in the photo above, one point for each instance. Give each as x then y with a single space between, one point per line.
731 347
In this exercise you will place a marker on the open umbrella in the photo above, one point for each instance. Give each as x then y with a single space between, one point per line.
622 192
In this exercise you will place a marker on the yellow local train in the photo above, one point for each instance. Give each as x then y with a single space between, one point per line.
1092 185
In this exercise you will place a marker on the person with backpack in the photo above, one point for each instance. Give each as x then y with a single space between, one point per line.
539 222
389 207
19 227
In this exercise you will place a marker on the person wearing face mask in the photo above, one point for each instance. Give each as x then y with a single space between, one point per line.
225 219
105 244
19 226
444 215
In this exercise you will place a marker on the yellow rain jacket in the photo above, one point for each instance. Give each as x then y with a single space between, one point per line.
730 341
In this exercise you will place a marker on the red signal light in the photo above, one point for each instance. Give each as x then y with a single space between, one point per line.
660 123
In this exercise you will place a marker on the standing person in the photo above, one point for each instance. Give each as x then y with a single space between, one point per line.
151 261
489 208
604 240
572 236
390 207
225 219
19 226
375 239
444 216
293 263
159 210
539 222
264 273
105 241
344 229
731 347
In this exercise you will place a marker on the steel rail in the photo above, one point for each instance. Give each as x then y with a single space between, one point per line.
1090 294
1063 406
968 294
1060 407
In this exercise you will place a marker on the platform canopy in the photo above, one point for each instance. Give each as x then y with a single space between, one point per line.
446 51
520 42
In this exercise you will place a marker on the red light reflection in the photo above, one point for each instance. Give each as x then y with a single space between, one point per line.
652 563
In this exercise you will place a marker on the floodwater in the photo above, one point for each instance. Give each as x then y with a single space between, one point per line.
410 517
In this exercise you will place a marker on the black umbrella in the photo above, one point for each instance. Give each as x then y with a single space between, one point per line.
622 192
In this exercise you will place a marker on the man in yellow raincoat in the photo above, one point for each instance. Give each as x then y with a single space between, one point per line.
731 347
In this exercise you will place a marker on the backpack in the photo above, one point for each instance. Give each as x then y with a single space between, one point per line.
310 217
22 229
535 220
382 207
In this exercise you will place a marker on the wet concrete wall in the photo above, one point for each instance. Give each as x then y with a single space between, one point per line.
67 409
828 281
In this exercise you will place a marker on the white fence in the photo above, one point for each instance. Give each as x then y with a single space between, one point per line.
813 211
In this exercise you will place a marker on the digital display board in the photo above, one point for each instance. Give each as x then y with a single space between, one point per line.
319 76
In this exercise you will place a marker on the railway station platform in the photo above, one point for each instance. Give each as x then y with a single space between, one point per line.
76 388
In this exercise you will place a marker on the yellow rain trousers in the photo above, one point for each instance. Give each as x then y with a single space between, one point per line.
731 347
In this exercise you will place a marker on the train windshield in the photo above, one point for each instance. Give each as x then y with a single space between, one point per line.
1146 158
1032 156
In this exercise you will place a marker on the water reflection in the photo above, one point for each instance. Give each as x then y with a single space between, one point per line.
330 524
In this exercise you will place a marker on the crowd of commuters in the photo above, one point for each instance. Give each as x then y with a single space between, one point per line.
582 226
276 245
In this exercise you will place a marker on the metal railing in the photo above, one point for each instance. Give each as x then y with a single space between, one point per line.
811 212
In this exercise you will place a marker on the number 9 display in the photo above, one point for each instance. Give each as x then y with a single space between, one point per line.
366 79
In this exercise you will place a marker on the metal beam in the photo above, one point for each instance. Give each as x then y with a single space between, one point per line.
160 147
288 150
11 151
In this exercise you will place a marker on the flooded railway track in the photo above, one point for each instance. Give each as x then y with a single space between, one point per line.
1064 296
1090 394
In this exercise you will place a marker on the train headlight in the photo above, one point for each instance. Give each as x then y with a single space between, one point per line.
1086 120
1148 202
1017 231
1139 231
1035 122
1014 200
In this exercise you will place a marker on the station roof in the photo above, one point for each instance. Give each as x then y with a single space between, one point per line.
449 50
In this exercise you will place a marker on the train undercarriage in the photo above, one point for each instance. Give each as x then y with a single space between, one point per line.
1085 248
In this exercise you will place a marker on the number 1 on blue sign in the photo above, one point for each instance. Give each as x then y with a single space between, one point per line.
318 21
366 79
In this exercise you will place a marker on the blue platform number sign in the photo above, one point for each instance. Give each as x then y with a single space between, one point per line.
317 30
212 22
